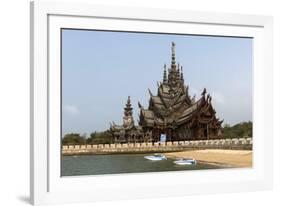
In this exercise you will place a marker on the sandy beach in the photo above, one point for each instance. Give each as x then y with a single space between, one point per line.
227 158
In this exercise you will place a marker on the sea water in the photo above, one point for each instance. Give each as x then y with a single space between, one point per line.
121 163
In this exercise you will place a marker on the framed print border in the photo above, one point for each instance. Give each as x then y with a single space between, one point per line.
47 186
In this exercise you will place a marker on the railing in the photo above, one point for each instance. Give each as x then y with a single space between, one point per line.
234 143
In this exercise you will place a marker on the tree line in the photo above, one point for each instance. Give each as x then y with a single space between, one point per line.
243 129
95 138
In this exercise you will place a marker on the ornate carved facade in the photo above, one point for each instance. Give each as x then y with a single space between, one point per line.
127 132
171 112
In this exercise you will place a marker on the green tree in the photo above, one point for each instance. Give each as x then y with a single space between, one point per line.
243 129
100 138
73 139
226 125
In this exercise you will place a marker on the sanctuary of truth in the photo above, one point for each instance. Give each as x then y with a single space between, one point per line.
171 113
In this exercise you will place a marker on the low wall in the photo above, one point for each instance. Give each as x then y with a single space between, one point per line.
146 147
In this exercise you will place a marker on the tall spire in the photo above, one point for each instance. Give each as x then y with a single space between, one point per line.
128 120
173 63
165 74
128 110
182 74
172 76
178 73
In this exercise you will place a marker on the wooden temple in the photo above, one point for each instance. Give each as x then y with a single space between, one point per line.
171 112
128 132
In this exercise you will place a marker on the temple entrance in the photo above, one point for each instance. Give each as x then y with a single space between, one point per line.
206 133
163 137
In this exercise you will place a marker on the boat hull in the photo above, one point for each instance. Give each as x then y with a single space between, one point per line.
185 162
155 158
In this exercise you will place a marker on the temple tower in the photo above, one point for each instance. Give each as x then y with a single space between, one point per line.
165 75
128 119
171 112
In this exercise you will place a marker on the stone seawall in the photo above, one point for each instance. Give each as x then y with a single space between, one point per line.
236 143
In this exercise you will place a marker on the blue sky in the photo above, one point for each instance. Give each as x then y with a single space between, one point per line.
101 69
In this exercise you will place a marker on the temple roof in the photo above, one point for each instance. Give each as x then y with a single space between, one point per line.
157 100
148 114
203 106
187 114
171 107
172 103
149 117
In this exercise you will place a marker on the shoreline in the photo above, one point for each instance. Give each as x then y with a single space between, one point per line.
162 151
221 157
227 158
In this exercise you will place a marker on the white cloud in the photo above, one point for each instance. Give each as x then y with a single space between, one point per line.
70 109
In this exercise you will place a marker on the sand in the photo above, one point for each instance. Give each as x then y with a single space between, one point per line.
226 158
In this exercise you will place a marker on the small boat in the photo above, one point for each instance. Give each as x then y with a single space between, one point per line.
156 157
185 162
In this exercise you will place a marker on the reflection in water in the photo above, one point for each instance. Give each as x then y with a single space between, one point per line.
121 163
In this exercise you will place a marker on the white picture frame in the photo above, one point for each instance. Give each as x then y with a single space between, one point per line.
47 186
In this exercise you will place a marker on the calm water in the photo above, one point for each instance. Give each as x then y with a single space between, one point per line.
121 163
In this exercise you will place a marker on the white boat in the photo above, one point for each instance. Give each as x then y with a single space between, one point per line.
156 157
185 162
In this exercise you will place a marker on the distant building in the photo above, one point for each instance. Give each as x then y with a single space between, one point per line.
127 132
171 112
